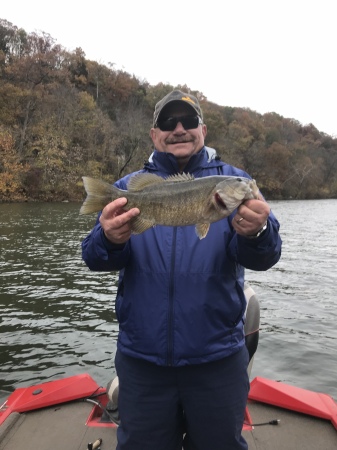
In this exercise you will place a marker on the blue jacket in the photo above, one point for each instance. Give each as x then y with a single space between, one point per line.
180 300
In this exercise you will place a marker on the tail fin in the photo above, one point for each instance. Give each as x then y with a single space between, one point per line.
99 194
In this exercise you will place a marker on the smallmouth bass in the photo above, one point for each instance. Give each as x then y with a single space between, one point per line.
178 200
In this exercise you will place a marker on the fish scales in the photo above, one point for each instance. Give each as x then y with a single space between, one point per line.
166 202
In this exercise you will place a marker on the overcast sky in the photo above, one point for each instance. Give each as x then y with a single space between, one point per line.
266 55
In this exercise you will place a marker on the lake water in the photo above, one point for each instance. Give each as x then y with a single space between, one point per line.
57 318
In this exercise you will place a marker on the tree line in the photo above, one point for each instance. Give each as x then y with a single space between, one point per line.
63 116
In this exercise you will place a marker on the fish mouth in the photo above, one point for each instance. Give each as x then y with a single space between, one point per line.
219 201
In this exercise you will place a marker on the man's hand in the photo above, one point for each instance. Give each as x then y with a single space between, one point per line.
251 216
115 221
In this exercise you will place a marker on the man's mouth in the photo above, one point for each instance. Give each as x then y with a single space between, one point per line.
178 141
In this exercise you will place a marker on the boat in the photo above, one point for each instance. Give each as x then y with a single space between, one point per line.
77 413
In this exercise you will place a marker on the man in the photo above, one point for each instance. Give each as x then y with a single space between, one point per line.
181 357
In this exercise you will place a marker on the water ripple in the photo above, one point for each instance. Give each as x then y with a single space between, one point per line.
57 318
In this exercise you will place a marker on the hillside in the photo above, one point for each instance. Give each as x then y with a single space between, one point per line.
63 116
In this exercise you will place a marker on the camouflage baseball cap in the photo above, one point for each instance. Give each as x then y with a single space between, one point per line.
176 96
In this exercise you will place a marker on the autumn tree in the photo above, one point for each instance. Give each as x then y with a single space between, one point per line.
11 169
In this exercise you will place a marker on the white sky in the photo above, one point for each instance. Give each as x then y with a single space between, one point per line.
266 55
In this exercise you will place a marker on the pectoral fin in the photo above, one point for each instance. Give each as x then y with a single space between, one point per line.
202 229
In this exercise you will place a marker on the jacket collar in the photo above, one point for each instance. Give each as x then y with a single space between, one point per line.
167 162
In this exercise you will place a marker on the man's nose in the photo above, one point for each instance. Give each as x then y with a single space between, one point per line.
179 128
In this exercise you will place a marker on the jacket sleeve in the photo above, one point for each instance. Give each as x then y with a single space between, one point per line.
99 254
259 253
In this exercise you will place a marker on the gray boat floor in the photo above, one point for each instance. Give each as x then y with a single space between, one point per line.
63 427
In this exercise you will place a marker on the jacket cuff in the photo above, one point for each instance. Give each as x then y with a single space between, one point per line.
110 246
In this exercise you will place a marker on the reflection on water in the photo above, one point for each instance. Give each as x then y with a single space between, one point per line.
57 317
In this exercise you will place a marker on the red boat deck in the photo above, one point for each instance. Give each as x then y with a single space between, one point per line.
58 421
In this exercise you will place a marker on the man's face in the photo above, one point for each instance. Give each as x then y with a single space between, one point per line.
180 142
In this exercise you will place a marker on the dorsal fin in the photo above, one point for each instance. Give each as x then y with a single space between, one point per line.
180 177
141 180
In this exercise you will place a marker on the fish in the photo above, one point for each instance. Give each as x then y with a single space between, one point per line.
177 200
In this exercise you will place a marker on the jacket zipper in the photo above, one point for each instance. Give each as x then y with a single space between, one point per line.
171 306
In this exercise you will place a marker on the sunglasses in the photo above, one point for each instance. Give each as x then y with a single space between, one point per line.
170 123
